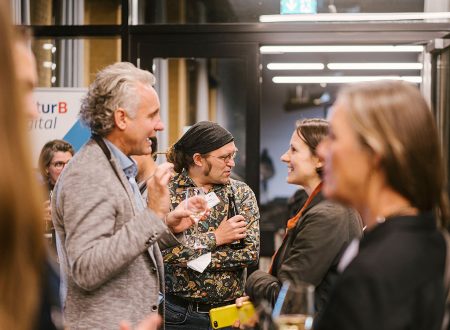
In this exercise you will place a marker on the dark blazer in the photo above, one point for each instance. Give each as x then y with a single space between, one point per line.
395 282
310 252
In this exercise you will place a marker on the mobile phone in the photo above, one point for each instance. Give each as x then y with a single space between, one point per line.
226 316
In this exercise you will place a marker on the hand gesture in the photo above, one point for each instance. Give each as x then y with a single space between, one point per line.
153 322
231 230
158 192
181 219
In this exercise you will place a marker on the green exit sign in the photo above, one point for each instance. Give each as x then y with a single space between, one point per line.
298 6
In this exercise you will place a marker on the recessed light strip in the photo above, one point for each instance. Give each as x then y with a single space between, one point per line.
295 66
352 17
375 66
340 49
339 79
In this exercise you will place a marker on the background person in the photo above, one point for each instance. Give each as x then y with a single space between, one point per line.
204 157
316 236
54 155
383 157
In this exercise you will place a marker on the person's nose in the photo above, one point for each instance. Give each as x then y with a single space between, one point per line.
231 162
284 157
159 126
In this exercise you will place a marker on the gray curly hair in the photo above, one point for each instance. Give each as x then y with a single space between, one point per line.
114 87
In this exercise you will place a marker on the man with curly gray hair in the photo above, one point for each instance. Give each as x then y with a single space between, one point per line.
109 256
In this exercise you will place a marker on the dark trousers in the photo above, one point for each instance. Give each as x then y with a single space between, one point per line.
187 316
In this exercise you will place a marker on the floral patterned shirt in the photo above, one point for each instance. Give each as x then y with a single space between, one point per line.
224 278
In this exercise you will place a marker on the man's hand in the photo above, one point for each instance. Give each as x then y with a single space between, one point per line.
158 191
231 230
153 322
180 219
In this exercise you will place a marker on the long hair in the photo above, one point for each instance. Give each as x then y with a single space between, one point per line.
393 120
22 253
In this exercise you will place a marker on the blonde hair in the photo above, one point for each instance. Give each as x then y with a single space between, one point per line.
22 254
393 120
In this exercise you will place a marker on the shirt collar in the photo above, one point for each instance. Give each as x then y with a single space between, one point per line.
183 180
127 164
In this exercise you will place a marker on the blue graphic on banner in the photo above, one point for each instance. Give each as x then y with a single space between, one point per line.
78 135
298 6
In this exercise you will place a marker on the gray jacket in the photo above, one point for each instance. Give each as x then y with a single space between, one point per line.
109 254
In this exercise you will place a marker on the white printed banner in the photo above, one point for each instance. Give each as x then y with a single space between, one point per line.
58 110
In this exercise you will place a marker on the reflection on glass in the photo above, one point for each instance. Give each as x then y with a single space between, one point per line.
196 89
70 62
44 12
236 11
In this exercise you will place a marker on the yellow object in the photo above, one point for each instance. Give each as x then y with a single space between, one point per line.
226 316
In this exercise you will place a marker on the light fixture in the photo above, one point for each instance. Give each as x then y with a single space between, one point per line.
47 46
352 17
295 66
340 49
339 79
375 66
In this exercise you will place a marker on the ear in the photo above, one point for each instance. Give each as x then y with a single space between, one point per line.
198 159
120 119
319 163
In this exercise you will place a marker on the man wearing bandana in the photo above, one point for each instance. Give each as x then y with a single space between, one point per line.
204 157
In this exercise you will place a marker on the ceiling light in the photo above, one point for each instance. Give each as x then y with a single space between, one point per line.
375 66
352 17
340 49
295 66
339 79
47 46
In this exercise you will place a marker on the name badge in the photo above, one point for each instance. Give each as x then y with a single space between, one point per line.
212 199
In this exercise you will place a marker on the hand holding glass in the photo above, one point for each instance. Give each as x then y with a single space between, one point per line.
197 212
294 308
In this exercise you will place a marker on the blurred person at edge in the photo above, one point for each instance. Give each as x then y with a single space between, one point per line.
27 293
26 69
54 156
317 235
383 157
110 237
204 157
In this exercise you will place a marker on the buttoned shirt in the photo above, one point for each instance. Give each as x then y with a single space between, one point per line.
130 169
224 278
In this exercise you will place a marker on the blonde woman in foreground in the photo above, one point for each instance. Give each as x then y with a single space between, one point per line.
383 158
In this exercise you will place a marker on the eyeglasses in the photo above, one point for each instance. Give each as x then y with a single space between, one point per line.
59 165
225 158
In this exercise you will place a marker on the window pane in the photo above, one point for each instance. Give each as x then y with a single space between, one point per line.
234 11
196 89
67 62
64 12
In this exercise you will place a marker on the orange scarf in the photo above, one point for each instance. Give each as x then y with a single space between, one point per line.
292 222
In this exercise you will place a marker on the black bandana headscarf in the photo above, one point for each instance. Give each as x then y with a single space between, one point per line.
203 137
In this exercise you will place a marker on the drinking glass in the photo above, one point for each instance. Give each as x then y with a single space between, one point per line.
294 308
197 213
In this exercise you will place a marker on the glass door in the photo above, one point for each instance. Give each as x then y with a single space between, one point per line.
217 82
